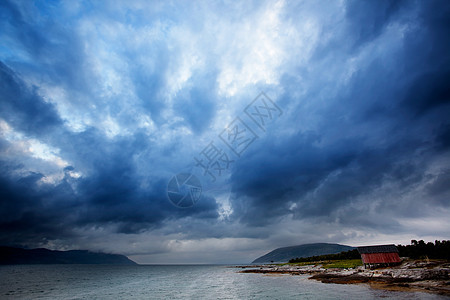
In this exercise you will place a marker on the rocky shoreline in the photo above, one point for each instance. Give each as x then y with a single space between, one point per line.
411 275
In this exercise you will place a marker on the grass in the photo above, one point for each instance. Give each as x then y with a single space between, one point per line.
344 264
328 264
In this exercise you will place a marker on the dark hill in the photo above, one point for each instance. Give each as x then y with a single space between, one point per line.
286 253
13 256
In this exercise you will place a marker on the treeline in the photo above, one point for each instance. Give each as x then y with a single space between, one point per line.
417 250
351 254
420 249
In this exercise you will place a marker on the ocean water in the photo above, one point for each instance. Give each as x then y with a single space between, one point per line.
172 282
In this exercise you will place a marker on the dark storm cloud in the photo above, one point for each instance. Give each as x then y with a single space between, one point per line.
22 107
55 50
427 59
443 137
33 213
440 188
111 195
29 214
429 91
369 134
367 19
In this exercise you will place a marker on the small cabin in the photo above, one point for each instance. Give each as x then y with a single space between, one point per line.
379 256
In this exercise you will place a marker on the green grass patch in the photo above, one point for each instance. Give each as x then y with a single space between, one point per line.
344 264
327 264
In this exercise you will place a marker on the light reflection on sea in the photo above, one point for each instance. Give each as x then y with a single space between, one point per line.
172 282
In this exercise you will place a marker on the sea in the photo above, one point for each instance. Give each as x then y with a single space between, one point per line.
173 282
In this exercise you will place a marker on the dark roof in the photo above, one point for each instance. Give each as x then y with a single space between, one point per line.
377 249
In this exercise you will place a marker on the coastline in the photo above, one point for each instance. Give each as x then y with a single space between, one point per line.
410 275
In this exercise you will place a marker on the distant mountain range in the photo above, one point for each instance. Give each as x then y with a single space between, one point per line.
13 256
286 253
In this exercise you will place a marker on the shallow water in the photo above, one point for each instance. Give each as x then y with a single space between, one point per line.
172 282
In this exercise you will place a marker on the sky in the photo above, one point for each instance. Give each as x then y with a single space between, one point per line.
295 121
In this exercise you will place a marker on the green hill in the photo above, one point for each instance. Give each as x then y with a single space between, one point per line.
286 253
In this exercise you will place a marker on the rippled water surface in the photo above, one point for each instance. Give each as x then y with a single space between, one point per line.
172 282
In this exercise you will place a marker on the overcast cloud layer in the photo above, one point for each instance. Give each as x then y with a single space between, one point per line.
102 102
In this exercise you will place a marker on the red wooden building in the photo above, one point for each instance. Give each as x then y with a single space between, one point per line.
382 255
